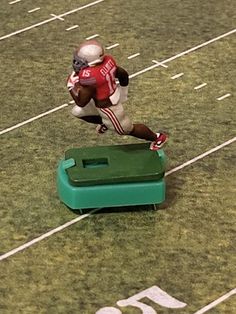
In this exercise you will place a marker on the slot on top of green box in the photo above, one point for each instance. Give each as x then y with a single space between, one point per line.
114 164
95 162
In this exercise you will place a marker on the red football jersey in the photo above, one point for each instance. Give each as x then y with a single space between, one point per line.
102 76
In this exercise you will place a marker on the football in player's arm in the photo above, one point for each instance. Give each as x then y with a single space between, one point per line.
80 94
99 98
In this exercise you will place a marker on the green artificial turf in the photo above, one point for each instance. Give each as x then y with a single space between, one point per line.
185 246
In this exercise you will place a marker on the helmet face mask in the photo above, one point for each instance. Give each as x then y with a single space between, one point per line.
91 51
78 63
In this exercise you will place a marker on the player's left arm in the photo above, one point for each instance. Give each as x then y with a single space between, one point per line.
123 78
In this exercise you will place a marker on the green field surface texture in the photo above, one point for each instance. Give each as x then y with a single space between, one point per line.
185 246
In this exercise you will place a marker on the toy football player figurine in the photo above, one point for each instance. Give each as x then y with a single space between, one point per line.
99 97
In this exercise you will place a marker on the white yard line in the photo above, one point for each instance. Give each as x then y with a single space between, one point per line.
112 46
50 20
224 96
13 2
184 52
72 27
201 156
131 76
133 56
144 70
200 86
28 28
32 119
57 17
160 63
200 46
177 76
47 234
92 36
81 8
33 10
216 302
73 221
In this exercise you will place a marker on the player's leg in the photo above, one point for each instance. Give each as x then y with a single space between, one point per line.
115 119
143 132
88 113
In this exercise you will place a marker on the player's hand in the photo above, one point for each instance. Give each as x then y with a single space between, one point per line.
123 93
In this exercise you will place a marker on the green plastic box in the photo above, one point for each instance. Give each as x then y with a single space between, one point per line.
108 176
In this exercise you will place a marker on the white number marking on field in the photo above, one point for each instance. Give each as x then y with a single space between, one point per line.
109 310
154 294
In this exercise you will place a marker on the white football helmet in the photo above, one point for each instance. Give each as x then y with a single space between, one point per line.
91 51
